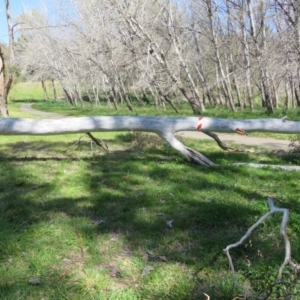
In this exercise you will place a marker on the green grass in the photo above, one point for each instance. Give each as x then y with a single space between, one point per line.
149 109
89 224
31 92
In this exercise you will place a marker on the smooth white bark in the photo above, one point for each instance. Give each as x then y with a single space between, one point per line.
163 126
160 125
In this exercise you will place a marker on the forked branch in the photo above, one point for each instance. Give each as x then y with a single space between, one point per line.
287 257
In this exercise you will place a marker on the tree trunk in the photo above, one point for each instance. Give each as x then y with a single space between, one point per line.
267 94
217 57
114 97
69 97
4 87
10 33
155 96
46 97
261 52
247 64
292 87
275 95
201 71
54 90
287 94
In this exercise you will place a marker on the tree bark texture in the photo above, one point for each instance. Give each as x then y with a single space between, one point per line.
10 32
4 87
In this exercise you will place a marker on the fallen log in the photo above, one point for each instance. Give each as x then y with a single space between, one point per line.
165 127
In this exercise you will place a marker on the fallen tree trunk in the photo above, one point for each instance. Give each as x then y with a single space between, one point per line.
163 126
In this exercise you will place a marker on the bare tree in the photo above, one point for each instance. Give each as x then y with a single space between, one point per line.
289 11
10 33
225 51
5 85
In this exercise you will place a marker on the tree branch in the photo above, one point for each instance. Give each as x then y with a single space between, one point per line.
287 257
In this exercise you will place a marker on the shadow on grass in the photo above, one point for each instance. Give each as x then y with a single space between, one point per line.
28 101
54 207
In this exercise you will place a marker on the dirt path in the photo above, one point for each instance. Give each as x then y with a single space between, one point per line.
227 138
28 108
269 143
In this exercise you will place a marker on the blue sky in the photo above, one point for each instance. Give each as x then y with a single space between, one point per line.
17 7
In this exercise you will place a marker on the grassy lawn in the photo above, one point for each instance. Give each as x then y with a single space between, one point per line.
78 223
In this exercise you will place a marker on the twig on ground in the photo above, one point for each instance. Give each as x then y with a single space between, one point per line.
287 258
78 141
98 142
207 297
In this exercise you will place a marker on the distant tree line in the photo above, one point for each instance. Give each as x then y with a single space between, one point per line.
230 53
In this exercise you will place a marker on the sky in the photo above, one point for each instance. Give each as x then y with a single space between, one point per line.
16 7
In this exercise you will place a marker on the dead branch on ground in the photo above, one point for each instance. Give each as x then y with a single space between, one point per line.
288 256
